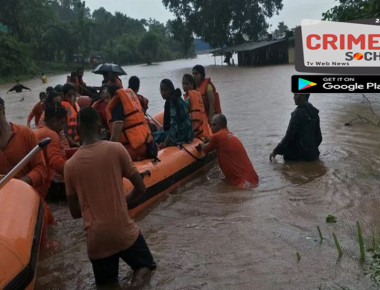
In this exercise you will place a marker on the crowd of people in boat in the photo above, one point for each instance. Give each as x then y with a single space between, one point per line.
112 133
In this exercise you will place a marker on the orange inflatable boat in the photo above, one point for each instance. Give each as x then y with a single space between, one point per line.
21 217
177 164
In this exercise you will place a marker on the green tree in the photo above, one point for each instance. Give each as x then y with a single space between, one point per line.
61 42
353 10
15 57
70 10
223 22
51 32
183 34
123 50
281 28
149 47
26 19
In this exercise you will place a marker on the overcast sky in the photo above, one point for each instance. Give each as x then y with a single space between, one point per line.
292 12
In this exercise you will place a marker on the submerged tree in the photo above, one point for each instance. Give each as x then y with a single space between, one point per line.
223 22
149 47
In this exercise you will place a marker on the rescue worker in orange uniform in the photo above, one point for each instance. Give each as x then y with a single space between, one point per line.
37 110
232 157
55 119
16 141
128 125
72 108
196 107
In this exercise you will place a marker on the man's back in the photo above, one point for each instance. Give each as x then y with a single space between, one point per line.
233 159
18 88
94 174
303 135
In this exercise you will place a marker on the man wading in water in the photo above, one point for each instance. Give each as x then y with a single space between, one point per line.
232 157
94 189
303 135
18 88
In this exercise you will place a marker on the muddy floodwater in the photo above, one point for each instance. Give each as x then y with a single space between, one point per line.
207 234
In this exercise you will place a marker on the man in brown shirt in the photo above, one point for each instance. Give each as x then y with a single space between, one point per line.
94 189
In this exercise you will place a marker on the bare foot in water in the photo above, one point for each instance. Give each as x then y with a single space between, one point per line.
140 278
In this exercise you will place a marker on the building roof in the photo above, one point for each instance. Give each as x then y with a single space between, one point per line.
248 46
253 45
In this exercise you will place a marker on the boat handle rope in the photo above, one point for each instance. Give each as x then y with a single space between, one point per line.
180 146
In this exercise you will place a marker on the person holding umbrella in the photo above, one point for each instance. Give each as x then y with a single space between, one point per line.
110 73
114 80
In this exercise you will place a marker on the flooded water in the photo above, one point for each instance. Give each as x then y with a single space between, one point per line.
208 235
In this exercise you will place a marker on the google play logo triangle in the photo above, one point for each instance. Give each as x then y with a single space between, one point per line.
304 84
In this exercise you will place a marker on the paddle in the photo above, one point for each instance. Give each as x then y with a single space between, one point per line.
24 161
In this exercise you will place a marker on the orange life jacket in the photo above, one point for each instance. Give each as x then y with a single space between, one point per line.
72 122
198 114
203 91
136 131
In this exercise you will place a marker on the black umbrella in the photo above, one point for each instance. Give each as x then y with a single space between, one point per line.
109 67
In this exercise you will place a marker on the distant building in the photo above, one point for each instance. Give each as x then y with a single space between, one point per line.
262 52
279 50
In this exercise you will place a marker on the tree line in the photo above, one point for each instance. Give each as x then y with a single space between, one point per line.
35 34
348 10
228 22
56 32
